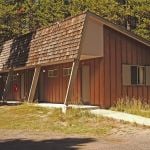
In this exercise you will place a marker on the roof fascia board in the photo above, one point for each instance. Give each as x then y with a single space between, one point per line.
42 65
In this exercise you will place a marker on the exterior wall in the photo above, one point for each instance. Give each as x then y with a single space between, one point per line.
120 49
28 75
14 88
1 86
96 80
14 91
92 44
105 75
54 89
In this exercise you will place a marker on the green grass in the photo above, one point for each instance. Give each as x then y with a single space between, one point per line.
132 106
33 118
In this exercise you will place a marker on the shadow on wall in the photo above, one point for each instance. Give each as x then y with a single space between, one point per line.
19 51
52 144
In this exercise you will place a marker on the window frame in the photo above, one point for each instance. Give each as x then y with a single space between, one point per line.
68 71
127 76
14 77
144 75
138 75
52 73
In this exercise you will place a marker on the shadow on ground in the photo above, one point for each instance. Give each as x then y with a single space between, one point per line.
52 144
9 104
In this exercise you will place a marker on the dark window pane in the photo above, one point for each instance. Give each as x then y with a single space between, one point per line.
134 74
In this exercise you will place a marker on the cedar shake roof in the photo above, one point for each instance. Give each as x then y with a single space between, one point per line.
59 42
55 44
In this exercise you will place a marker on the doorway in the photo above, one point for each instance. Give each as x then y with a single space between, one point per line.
85 84
22 87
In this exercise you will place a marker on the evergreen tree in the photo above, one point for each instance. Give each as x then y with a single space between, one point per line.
22 16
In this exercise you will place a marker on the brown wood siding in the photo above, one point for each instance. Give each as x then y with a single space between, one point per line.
1 85
107 81
14 90
105 75
54 89
96 80
92 83
120 49
28 81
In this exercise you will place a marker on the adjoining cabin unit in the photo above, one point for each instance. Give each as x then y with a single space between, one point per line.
83 59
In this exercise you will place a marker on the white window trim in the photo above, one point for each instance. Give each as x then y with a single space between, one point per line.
147 75
130 83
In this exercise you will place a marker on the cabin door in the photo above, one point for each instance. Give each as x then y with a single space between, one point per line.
41 87
85 84
22 87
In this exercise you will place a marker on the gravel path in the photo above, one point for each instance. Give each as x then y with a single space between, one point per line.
126 139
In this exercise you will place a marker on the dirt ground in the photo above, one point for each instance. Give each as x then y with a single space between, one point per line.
133 138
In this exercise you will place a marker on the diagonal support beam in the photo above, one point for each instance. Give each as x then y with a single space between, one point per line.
34 83
72 78
7 85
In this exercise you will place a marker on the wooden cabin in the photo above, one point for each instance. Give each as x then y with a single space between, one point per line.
82 60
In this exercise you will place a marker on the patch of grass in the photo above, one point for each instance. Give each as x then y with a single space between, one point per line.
30 117
132 106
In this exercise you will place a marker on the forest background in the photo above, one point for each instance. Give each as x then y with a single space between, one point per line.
18 17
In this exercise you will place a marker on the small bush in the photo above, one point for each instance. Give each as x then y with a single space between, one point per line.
133 106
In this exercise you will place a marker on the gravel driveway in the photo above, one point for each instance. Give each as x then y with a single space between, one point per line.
128 139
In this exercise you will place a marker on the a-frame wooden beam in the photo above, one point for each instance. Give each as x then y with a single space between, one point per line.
75 67
72 78
34 83
7 85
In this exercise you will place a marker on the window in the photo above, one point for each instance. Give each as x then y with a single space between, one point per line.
134 75
52 73
137 75
66 71
14 77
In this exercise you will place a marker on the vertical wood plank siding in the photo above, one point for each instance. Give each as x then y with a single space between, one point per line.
1 85
54 88
120 49
16 94
105 75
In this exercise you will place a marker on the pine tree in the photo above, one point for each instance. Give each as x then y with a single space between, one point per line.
19 17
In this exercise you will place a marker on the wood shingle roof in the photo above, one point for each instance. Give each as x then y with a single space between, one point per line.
56 43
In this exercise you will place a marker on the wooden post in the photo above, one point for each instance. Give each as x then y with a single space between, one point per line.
73 74
7 85
34 84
